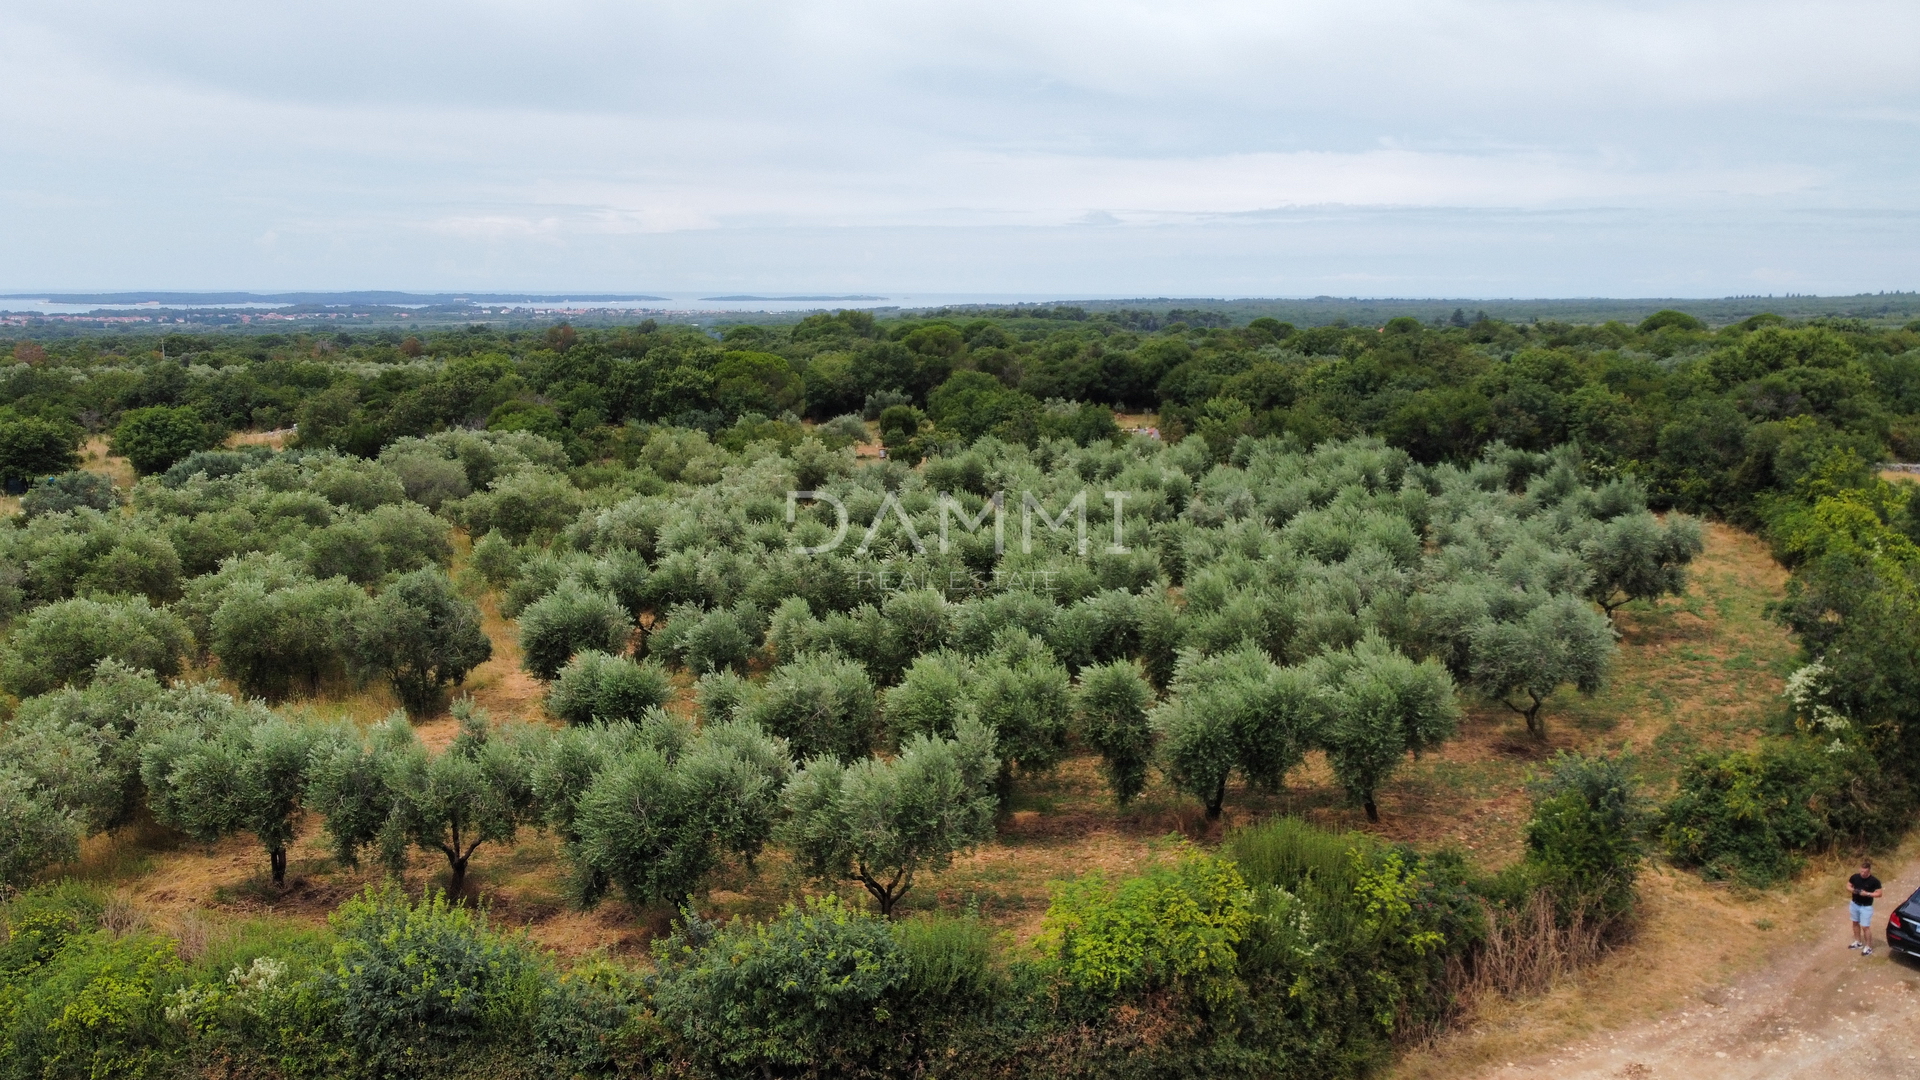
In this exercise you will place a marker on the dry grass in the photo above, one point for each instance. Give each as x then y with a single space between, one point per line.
97 456
1528 949
276 438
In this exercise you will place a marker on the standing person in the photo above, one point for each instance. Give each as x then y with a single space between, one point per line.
1862 887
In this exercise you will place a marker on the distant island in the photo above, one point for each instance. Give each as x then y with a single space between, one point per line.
772 299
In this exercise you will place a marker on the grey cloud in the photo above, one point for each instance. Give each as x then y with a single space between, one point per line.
463 144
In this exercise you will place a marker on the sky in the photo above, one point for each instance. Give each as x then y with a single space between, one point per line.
1062 148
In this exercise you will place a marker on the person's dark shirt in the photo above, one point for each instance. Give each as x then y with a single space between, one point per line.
1863 885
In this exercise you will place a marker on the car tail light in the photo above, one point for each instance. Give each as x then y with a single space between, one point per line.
1893 920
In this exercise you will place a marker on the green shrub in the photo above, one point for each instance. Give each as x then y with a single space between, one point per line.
1752 814
1354 939
1586 837
1172 927
267 1000
93 1008
587 1020
812 993
949 965
415 980
41 920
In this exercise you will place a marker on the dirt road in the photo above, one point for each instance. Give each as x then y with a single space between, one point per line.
1818 1011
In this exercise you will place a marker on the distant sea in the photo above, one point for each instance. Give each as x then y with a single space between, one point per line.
660 303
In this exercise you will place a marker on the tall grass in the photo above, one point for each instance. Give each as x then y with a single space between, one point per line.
1314 865
949 959
1529 946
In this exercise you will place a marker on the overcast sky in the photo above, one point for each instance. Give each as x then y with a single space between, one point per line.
1051 147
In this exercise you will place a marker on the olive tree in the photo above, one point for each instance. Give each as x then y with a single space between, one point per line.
704 641
393 794
569 620
1379 705
1635 557
597 686
931 696
70 491
1237 711
82 746
881 822
36 831
63 643
520 505
1017 690
1561 641
822 705
243 776
1111 702
654 822
274 640
1025 699
565 765
420 635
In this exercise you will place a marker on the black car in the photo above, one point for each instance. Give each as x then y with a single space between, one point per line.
1903 927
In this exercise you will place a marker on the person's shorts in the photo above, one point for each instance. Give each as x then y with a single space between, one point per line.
1862 914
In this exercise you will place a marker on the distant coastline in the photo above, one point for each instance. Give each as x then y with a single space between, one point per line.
743 299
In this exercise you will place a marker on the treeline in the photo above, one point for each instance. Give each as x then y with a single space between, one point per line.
1707 419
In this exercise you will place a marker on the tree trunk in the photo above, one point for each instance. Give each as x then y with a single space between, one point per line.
1535 726
1373 812
886 896
278 856
1219 800
457 880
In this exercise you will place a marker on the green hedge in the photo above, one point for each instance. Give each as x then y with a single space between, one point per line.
1288 951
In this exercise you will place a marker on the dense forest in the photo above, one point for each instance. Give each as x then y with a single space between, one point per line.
841 591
